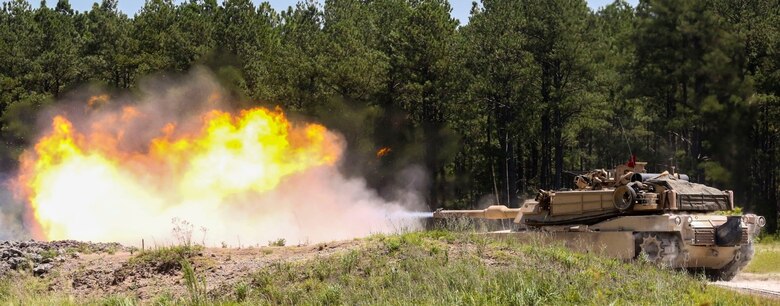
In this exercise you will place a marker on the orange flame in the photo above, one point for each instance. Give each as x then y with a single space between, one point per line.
84 184
383 151
96 101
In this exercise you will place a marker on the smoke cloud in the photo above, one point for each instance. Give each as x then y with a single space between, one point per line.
117 188
11 213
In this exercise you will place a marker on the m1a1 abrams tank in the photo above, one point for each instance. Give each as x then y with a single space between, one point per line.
627 213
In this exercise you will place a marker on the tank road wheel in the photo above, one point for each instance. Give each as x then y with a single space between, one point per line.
659 248
651 248
741 258
624 197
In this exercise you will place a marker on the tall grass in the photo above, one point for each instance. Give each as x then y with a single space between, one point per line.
446 268
196 286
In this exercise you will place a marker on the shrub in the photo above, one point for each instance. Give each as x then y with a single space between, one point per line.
277 242
165 259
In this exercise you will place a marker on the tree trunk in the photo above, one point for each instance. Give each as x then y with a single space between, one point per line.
533 168
558 150
507 160
544 169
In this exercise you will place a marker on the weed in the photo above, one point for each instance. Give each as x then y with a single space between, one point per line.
165 259
392 243
481 242
331 295
278 242
84 248
166 298
196 286
434 250
349 261
203 230
241 291
111 250
49 254
182 231
119 301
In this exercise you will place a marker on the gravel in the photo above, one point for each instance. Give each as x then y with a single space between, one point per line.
40 257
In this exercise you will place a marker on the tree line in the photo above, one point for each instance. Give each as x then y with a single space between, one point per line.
522 96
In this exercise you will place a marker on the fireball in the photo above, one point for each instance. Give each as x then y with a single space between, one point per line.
86 183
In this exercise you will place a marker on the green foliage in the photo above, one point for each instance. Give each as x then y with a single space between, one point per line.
392 244
241 291
26 289
49 254
277 242
767 238
196 286
737 211
166 259
767 256
519 98
526 274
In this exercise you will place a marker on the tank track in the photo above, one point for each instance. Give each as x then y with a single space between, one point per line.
730 270
664 249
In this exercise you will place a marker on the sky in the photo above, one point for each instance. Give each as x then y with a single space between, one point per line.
460 8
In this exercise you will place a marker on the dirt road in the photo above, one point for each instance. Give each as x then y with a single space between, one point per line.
765 284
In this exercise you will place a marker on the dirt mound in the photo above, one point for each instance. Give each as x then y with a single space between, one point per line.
111 269
435 267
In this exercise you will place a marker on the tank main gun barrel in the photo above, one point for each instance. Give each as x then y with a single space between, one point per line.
493 212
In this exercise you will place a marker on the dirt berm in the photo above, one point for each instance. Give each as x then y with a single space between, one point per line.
434 267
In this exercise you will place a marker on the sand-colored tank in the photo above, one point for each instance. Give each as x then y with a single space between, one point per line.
627 213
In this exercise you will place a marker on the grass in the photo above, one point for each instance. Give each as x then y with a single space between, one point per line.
26 289
432 267
166 259
426 268
766 259
196 286
49 254
278 242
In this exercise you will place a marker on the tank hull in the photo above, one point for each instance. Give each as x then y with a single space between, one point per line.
682 240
